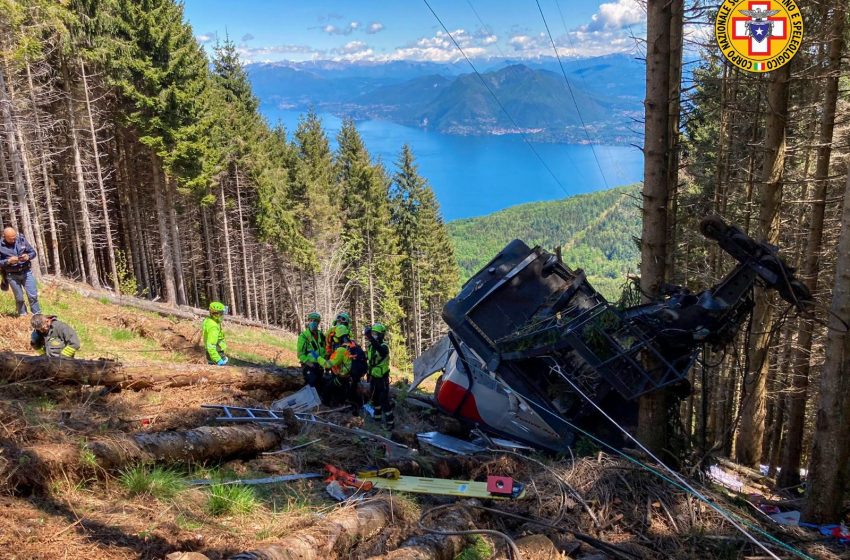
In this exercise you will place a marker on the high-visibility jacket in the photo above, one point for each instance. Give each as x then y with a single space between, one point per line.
213 338
340 361
308 341
60 340
378 359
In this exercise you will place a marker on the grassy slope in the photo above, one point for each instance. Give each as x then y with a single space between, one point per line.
105 330
596 231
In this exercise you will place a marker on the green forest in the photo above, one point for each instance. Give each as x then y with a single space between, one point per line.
597 232
132 160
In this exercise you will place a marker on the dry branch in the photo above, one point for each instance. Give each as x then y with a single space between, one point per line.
336 534
20 367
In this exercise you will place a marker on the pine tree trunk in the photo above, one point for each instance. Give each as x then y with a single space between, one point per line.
230 289
790 468
128 236
16 157
265 290
653 413
134 203
82 195
45 178
214 287
110 247
831 441
675 85
749 442
176 250
169 293
249 311
4 174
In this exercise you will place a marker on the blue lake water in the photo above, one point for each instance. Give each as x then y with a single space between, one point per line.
476 175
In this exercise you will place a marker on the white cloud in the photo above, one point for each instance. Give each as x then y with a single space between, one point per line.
277 52
204 38
439 48
521 42
489 40
374 27
353 51
331 29
354 46
617 15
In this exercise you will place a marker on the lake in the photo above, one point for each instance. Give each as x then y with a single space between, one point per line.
476 175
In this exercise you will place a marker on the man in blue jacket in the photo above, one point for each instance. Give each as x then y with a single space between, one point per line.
16 257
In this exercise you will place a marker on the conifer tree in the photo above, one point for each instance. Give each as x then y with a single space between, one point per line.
429 271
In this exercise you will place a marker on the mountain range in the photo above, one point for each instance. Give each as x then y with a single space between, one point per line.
533 97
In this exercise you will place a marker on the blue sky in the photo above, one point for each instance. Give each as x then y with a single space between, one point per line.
375 30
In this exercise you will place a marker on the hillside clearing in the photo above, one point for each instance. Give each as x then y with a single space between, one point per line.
89 509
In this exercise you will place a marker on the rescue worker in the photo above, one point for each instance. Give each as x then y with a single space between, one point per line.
310 349
378 364
52 337
342 318
339 387
213 335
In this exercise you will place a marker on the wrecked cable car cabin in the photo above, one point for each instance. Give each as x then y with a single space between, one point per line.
531 343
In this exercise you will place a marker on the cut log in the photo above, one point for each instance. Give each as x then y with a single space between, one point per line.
39 463
436 547
20 367
335 535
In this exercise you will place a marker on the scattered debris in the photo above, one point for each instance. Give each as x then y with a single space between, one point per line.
254 481
790 518
305 399
496 488
356 431
293 448
348 480
449 443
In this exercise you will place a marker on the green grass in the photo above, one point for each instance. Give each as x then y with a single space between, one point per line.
45 404
480 549
230 499
187 522
158 482
88 458
123 335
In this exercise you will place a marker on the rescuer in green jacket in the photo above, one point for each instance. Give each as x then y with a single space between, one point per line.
378 364
311 347
339 388
213 335
52 337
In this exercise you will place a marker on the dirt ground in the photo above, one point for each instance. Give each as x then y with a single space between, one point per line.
90 513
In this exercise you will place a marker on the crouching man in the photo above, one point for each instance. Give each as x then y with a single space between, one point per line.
52 337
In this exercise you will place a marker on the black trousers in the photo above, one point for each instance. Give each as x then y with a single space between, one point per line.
381 401
313 375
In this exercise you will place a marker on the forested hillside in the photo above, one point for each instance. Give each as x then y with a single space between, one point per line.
596 231
132 161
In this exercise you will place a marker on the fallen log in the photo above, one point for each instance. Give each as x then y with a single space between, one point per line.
335 535
38 463
108 373
436 547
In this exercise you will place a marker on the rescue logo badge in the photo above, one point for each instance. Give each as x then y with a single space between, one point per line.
759 35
